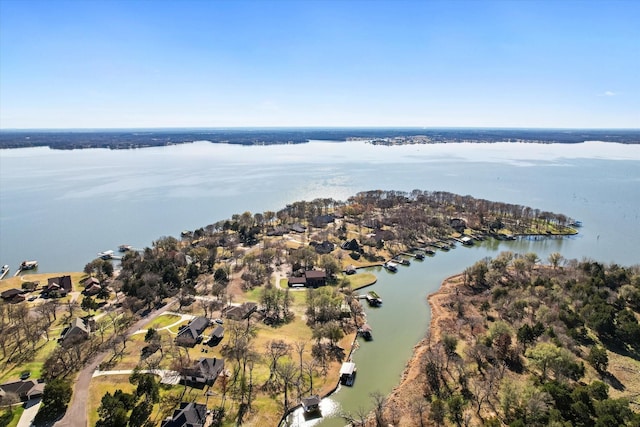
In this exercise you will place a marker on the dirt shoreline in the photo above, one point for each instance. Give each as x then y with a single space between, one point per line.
403 394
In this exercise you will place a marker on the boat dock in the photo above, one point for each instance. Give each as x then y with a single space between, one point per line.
4 271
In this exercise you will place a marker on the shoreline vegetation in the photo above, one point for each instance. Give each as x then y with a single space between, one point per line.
520 358
141 138
281 343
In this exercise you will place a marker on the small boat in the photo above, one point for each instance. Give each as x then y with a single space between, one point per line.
429 251
124 248
4 271
420 256
576 223
106 255
28 265
391 266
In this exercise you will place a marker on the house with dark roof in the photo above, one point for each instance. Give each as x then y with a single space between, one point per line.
216 336
79 329
241 312
188 415
323 247
58 286
204 371
310 278
13 295
89 281
23 389
323 220
190 335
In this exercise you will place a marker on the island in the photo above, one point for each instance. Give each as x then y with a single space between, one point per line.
245 319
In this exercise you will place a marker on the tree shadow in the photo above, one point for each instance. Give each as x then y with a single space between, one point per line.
614 382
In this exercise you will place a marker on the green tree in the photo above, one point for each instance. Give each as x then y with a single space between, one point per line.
598 358
140 414
55 398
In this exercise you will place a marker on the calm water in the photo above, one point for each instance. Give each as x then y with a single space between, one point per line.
62 207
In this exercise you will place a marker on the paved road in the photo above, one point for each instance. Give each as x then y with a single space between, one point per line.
76 415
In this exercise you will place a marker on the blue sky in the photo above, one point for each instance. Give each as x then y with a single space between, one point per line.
115 64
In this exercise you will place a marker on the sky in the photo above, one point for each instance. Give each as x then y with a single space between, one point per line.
145 64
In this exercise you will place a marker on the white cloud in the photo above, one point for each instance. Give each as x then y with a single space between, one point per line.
608 93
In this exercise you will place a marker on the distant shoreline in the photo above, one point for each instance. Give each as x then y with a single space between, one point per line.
144 138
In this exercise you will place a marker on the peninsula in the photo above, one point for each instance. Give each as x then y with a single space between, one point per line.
244 317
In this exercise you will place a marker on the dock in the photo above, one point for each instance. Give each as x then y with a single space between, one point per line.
4 271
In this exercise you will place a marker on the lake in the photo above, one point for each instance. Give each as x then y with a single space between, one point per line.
62 207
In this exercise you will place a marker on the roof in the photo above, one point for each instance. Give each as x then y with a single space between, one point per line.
313 400
189 415
10 293
297 280
199 324
63 281
347 368
20 388
90 281
315 274
78 327
210 367
241 312
218 332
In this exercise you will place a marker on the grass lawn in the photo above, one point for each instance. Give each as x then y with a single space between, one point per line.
16 413
163 321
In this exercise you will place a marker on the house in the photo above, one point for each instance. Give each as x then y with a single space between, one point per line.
316 278
23 389
190 335
324 247
92 289
351 245
188 415
90 281
204 371
79 329
310 278
13 295
298 228
216 336
58 286
323 220
458 224
297 282
241 312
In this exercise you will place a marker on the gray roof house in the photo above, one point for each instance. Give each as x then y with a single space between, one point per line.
188 415
204 371
191 334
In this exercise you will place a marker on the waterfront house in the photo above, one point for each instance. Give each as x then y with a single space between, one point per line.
458 224
58 286
204 371
188 415
13 295
190 335
351 245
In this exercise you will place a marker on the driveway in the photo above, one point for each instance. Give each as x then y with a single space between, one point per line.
30 411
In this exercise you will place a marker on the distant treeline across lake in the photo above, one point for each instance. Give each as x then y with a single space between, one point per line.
139 138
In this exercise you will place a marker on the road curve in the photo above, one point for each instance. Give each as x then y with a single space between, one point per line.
76 415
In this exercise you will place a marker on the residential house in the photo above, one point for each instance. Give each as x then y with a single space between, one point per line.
89 281
58 286
458 224
216 336
13 295
188 415
204 371
190 335
310 278
79 329
23 389
241 312
324 247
